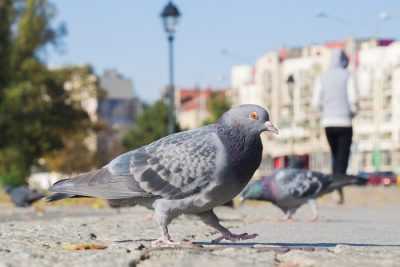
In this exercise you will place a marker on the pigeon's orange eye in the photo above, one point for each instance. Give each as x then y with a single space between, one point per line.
253 116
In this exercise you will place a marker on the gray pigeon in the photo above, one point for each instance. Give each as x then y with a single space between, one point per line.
23 196
189 172
290 188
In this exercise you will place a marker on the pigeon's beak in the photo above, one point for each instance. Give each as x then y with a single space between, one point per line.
271 128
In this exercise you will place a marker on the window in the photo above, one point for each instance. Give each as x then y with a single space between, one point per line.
388 117
386 158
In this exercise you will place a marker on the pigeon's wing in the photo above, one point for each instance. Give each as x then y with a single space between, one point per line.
175 166
302 183
172 167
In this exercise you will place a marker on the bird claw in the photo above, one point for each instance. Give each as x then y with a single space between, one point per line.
234 237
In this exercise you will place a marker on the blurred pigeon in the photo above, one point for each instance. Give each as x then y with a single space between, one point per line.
290 188
23 196
189 172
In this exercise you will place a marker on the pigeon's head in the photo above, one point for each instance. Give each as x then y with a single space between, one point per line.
251 118
8 189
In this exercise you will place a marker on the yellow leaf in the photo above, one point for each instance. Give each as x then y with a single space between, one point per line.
84 246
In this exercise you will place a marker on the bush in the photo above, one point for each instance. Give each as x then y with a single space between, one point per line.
12 169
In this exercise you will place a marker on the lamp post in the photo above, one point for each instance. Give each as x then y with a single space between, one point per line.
170 17
291 84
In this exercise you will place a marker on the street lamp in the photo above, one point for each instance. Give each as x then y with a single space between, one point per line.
170 17
290 85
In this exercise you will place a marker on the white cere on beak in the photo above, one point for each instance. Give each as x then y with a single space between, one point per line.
271 128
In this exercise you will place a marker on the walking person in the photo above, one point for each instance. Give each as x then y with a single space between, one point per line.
335 96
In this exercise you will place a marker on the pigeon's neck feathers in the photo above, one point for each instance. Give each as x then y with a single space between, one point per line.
243 149
253 191
238 141
269 188
259 190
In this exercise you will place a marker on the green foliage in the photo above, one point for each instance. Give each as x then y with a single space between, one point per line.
217 105
36 112
12 169
6 20
151 125
75 155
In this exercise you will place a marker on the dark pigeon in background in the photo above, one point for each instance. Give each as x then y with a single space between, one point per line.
290 188
23 196
190 172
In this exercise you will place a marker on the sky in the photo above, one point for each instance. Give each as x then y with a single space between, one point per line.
127 35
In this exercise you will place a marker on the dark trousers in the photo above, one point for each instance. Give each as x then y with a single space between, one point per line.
339 139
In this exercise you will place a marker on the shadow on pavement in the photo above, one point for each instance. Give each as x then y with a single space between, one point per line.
305 246
293 245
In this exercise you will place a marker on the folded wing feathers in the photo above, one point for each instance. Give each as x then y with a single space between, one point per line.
99 183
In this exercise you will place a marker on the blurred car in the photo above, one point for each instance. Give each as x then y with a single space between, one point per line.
380 178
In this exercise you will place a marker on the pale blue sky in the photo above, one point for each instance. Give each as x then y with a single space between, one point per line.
127 35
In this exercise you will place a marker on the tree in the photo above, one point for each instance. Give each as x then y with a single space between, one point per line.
217 104
79 147
35 109
151 125
6 18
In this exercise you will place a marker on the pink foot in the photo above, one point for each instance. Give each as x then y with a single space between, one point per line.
164 242
234 237
287 220
314 219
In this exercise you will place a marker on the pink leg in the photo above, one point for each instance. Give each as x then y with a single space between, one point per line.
288 217
165 241
314 209
211 219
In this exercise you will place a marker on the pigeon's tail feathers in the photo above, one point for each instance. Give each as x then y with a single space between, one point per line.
341 180
59 186
98 183
35 196
358 180
58 196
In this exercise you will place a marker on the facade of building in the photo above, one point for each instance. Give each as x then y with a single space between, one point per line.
117 111
283 82
119 108
83 87
191 106
377 135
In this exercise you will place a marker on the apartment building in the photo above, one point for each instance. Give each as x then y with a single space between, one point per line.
377 126
117 111
192 106
283 82
83 88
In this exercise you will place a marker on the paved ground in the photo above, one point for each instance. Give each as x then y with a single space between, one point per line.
365 232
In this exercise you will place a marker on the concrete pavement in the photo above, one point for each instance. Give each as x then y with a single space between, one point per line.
365 232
